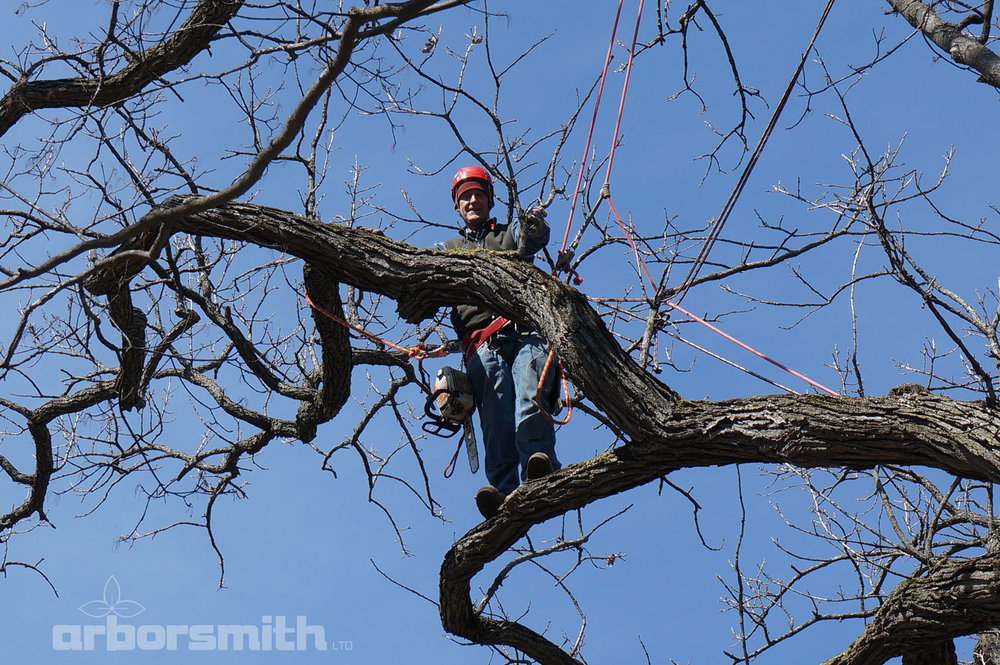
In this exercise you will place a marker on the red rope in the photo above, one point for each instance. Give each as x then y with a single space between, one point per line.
450 469
628 235
621 104
593 122
729 362
672 305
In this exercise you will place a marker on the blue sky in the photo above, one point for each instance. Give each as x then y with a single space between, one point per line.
304 543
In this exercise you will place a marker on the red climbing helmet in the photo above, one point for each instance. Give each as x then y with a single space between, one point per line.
471 177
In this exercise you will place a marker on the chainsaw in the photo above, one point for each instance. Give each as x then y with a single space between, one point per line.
452 395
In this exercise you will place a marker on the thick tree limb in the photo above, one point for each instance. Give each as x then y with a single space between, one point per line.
335 345
177 50
958 598
805 431
987 651
963 49
915 429
423 280
144 233
37 427
131 321
44 467
942 653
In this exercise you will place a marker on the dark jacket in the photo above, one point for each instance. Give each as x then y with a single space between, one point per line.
498 237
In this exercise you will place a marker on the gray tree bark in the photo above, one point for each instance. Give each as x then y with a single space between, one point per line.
949 37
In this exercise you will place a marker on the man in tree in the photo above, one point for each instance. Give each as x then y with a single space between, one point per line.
504 360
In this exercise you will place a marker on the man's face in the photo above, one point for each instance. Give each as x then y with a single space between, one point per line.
474 208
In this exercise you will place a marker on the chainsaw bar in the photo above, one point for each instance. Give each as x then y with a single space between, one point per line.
469 435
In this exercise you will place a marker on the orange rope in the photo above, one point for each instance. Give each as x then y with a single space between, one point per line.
576 193
565 387
418 352
621 104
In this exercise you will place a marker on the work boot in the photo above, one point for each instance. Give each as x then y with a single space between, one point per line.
488 500
539 465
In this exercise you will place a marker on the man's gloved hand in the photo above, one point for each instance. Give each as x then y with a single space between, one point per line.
533 222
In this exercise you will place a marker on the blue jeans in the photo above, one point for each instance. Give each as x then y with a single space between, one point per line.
504 376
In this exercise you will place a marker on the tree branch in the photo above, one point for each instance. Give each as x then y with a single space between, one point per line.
179 49
925 613
962 48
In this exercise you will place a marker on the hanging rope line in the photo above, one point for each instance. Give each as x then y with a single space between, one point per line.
747 347
698 319
421 351
563 262
449 470
736 365
590 132
621 104
730 204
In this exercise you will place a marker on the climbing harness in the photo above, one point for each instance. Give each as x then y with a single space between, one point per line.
477 338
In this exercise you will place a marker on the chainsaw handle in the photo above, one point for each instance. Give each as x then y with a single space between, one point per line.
439 425
429 404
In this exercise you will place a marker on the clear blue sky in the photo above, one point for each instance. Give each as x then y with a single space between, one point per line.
304 543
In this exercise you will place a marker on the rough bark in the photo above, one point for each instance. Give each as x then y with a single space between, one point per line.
663 431
961 597
962 48
423 280
942 653
131 321
38 482
792 429
987 651
335 345
810 431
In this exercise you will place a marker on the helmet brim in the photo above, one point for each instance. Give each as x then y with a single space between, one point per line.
468 186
